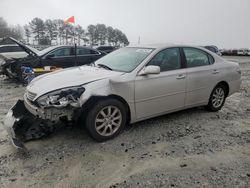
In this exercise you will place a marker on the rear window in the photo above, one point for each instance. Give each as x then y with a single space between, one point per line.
196 57
105 48
85 51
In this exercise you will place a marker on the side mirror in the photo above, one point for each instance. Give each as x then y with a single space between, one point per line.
50 56
151 69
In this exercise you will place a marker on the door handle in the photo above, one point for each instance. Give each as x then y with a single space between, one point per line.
215 71
180 76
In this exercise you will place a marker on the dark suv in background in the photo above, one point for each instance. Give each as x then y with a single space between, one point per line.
106 49
54 56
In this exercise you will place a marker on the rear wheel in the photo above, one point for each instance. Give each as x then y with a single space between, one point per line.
106 119
217 98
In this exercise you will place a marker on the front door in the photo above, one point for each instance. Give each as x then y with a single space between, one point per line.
164 92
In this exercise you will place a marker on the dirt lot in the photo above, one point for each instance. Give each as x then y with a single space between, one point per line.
192 148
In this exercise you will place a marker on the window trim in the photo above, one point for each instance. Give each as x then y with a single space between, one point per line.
98 53
206 53
180 54
52 51
73 55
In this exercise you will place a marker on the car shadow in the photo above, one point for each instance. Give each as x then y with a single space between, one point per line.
77 133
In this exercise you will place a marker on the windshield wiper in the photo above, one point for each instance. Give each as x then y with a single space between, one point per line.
104 66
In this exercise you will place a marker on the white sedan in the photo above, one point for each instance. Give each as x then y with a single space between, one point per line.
129 85
12 51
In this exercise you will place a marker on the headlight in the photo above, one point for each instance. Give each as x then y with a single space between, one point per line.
61 98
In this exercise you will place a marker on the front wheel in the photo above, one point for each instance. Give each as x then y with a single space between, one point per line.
217 98
106 119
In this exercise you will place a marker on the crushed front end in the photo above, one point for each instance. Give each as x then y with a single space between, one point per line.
29 119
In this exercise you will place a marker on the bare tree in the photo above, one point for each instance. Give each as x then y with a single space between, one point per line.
51 30
101 32
60 30
80 33
27 33
38 29
91 33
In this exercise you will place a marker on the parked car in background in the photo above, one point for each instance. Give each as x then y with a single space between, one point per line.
240 52
126 86
243 51
234 52
227 52
106 49
12 51
55 56
213 49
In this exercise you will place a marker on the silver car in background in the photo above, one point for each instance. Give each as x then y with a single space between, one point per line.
129 85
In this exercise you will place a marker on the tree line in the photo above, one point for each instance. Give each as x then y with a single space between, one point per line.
56 32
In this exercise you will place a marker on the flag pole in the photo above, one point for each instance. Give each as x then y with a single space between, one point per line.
75 55
75 43
72 20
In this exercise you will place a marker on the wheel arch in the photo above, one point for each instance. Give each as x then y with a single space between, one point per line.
225 84
93 99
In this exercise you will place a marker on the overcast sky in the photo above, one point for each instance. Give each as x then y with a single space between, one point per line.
225 23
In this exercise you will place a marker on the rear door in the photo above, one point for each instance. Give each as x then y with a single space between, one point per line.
201 76
86 56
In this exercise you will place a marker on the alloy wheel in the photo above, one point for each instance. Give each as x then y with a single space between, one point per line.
108 120
218 97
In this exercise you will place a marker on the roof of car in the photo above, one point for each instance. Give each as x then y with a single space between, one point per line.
159 46
151 45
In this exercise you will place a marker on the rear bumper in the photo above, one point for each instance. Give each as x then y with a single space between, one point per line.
234 86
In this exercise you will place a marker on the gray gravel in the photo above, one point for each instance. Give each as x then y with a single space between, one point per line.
191 148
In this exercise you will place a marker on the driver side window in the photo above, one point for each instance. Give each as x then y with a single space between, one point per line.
62 52
168 59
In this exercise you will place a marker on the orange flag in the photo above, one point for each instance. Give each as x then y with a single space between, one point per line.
70 20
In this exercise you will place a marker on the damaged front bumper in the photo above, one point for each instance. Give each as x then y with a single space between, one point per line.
12 120
26 122
50 113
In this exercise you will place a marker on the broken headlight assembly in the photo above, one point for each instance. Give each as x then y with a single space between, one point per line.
61 98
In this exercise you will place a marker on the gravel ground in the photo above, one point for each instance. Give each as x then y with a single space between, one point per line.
191 148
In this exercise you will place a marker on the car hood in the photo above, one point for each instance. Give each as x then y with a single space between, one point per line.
70 77
31 51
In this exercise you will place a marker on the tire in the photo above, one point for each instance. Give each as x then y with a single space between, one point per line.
105 119
217 98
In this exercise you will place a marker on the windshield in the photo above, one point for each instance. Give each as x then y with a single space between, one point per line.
124 59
